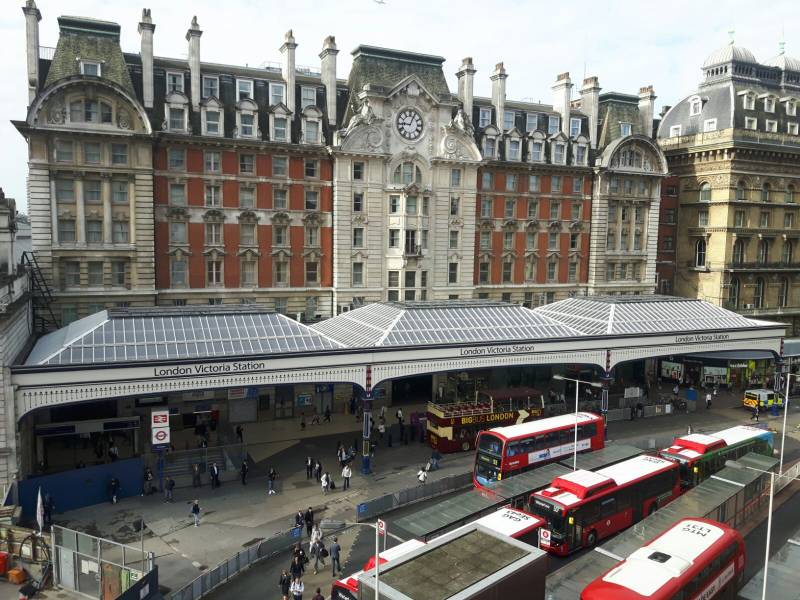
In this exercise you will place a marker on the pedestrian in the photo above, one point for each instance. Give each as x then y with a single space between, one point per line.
244 471
240 434
113 452
327 418
318 595
325 482
754 414
147 486
297 589
297 568
299 553
285 583
113 486
335 552
708 400
316 535
319 554
422 476
399 415
196 475
383 412
214 476
308 518
318 470
436 456
309 467
169 485
381 428
302 422
196 512
676 390
299 519
347 473
271 477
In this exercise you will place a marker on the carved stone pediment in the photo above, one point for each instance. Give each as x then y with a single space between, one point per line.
312 218
510 225
312 253
249 252
456 222
532 224
281 253
179 252
177 213
213 215
248 216
214 253
554 224
576 225
281 218
360 219
486 223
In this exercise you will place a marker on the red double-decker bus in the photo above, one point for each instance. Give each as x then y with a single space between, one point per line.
695 558
583 507
453 427
507 451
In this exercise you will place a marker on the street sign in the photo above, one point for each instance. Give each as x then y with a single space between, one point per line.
159 429
159 418
160 436
381 527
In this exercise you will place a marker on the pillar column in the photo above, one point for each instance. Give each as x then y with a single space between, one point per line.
53 212
105 193
131 212
80 213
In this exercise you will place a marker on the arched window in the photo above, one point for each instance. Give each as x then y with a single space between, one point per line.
788 252
407 173
740 192
763 251
758 293
783 295
788 195
765 193
705 192
733 296
700 253
738 252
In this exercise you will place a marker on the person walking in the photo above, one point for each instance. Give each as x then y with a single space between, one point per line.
244 471
297 588
309 467
316 535
754 414
285 583
319 552
271 477
169 486
381 429
308 518
347 473
297 568
436 456
327 417
422 476
325 482
335 553
318 595
196 475
196 512
240 434
708 400
299 519
318 470
399 415
299 553
113 486
214 476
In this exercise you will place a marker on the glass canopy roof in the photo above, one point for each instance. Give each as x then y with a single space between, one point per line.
123 335
445 322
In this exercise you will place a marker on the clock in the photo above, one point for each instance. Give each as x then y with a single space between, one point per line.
409 124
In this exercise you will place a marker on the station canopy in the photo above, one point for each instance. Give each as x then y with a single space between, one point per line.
144 334
208 332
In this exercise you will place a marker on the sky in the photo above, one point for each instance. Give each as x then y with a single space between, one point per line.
626 44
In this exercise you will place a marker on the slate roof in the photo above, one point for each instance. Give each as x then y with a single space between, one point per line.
727 53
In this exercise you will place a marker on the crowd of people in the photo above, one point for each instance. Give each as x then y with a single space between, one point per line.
291 580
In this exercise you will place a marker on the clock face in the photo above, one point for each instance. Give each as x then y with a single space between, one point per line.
409 124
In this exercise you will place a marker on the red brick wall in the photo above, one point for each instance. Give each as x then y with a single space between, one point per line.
161 257
197 267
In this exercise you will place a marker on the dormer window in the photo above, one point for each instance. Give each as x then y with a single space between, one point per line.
247 119
624 129
508 120
536 147
581 150
531 122
277 94
174 82
792 128
695 106
675 131
771 126
212 117
177 118
709 125
279 123
246 125
791 108
308 97
552 124
750 123
244 89
489 147
176 112
769 104
91 68
749 101
210 86
312 125
574 128
90 111
513 150
484 117
559 153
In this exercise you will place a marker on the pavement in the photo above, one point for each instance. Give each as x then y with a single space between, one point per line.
236 516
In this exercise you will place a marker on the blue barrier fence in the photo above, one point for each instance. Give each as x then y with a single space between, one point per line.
82 487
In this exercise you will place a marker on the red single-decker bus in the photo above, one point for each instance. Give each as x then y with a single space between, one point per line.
583 507
695 559
503 452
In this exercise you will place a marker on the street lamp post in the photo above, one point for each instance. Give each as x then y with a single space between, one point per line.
577 386
329 524
735 465
789 376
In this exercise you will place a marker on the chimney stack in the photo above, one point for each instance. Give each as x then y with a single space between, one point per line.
193 37
498 78
664 110
466 84
146 29
32 18
647 102
590 105
562 94
328 68
288 69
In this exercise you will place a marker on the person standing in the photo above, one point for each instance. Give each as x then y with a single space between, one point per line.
347 473
754 414
214 476
399 415
318 471
308 518
271 477
169 486
309 467
299 520
114 489
113 452
244 471
316 535
196 512
196 475
381 428
327 417
240 434
297 588
436 456
318 595
285 583
335 553
325 482
422 476
708 400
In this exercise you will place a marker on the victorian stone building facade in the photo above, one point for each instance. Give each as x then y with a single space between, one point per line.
735 150
178 181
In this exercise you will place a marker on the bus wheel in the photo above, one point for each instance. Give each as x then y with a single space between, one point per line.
465 446
591 539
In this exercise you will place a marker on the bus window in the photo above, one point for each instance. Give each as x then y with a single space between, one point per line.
490 444
608 507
